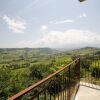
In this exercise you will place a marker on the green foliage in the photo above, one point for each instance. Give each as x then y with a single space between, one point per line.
55 85
96 72
4 82
36 72
20 68
95 69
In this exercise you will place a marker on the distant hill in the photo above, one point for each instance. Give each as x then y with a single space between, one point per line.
83 51
36 51
46 51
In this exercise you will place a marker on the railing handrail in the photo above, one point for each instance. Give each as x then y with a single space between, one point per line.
21 93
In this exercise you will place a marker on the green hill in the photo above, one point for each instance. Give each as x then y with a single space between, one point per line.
83 51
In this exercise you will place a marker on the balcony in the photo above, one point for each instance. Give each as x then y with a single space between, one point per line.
88 91
75 81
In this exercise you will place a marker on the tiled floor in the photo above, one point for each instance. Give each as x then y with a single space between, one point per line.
88 93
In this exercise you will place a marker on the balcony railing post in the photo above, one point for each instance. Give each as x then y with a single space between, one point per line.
79 69
68 93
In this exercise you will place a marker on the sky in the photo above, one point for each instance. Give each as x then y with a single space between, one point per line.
49 23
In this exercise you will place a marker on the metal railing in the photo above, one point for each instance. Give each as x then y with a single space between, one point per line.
61 85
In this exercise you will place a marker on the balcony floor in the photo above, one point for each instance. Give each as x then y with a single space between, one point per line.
88 92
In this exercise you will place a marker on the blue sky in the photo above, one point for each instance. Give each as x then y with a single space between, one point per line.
49 23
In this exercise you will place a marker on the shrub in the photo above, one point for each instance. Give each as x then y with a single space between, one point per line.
36 72
96 72
55 85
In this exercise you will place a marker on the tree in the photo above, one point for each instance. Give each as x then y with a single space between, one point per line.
96 72
36 72
4 82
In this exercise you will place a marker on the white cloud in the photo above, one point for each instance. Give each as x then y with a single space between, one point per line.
44 28
15 25
84 15
62 21
72 38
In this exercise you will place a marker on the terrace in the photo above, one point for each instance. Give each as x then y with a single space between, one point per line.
75 81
